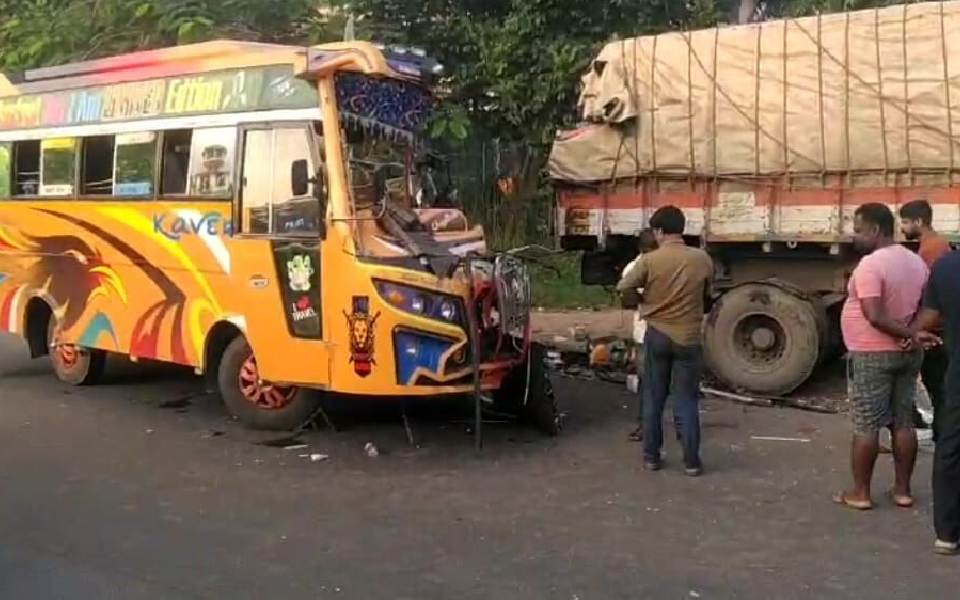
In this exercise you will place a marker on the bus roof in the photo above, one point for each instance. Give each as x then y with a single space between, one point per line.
208 78
215 56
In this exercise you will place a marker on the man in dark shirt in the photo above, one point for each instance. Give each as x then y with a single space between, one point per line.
916 224
941 306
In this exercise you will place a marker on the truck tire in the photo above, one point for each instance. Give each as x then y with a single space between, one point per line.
761 338
540 410
259 404
72 364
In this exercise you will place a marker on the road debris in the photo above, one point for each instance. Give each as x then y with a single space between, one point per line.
554 359
319 457
285 443
178 403
738 398
371 450
767 438
633 383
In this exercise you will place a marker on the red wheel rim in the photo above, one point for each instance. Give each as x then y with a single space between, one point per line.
67 355
263 395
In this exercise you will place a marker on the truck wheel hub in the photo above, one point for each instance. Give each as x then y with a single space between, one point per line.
763 338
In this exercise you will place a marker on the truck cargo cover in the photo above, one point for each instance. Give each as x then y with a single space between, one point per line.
874 90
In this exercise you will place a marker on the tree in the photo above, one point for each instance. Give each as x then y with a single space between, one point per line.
513 66
45 32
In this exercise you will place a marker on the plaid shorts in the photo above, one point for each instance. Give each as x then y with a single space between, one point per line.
882 387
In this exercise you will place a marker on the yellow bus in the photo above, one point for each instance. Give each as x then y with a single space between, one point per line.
248 210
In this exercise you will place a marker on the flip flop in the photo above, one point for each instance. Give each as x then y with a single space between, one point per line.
841 498
900 500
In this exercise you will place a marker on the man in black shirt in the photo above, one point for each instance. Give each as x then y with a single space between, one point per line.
941 303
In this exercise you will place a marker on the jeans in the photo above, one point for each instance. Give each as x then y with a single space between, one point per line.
946 464
671 370
934 375
641 364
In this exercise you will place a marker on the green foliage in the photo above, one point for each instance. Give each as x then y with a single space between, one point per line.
512 65
556 284
46 32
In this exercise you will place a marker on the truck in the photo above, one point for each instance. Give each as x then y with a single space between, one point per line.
769 136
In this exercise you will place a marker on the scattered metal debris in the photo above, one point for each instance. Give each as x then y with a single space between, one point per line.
287 443
554 359
181 402
739 398
766 438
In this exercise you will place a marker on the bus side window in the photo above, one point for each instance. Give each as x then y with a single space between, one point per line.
211 162
270 204
175 162
97 166
26 168
134 164
58 162
4 170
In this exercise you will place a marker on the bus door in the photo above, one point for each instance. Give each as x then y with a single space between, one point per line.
281 202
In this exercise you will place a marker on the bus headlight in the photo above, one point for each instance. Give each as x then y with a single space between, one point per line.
420 302
448 311
417 304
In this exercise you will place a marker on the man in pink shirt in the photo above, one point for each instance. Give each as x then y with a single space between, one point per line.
883 297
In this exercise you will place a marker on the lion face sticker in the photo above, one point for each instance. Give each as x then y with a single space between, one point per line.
362 336
299 271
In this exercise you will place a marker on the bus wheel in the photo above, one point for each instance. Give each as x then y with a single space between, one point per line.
763 339
540 409
73 364
256 403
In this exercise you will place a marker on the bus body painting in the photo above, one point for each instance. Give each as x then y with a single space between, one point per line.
243 209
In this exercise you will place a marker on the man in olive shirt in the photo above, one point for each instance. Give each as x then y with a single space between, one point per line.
675 280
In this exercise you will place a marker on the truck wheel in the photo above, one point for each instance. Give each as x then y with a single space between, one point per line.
762 339
540 410
259 404
73 364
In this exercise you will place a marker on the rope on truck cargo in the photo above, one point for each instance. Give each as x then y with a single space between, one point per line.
946 86
824 54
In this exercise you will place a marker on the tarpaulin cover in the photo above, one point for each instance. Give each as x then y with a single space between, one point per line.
874 90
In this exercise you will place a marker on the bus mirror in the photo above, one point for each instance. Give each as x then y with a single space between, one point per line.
299 178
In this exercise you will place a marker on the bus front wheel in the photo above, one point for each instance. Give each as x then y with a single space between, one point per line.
73 364
527 393
256 403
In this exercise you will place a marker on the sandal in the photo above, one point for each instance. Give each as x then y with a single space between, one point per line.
841 498
900 500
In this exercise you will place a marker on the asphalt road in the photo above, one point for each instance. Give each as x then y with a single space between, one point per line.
143 488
